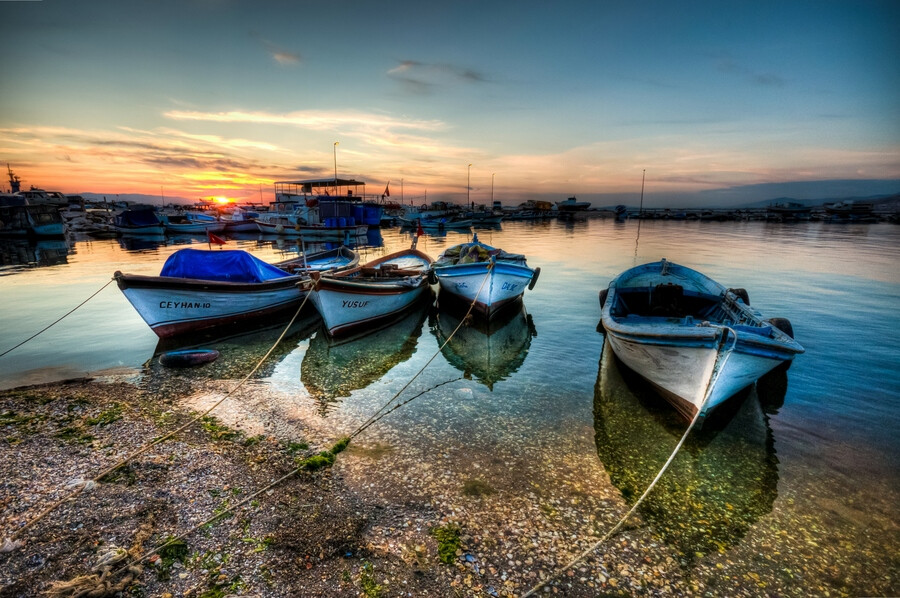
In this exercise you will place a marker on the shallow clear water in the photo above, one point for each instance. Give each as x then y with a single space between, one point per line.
818 450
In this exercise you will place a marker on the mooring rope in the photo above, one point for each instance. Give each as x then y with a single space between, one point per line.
659 475
59 319
90 483
616 527
378 414
131 566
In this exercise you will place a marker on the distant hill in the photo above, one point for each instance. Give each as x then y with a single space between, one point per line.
137 198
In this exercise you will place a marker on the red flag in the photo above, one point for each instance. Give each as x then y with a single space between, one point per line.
387 191
215 238
420 231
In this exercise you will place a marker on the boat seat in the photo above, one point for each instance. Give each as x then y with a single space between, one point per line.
668 301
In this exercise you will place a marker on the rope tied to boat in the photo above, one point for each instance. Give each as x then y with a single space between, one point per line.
581 556
79 488
380 413
94 585
58 320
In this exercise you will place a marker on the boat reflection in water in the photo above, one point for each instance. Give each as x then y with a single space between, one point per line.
333 368
723 479
141 243
486 351
16 254
240 348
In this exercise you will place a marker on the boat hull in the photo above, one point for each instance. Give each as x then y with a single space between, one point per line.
177 306
346 306
196 228
466 283
713 347
685 371
313 232
360 298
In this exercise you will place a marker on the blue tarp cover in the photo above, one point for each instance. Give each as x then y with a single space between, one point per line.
228 266
137 218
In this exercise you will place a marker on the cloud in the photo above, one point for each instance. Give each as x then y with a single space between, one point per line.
310 119
281 55
725 63
423 78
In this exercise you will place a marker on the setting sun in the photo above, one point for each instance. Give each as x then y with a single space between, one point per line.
221 200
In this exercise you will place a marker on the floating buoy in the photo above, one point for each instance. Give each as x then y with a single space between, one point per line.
534 278
188 358
604 293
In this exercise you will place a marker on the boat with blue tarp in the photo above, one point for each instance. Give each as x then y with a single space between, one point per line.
199 289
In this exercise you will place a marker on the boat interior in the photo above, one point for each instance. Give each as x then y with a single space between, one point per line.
672 301
382 272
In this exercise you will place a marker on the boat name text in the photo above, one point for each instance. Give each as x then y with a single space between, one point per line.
183 305
352 304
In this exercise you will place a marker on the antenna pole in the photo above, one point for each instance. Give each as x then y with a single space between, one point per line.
641 208
637 238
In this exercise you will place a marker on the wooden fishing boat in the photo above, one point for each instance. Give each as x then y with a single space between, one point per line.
461 272
697 342
340 258
199 289
383 288
141 221
190 223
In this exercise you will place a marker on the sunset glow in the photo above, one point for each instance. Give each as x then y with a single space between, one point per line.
744 104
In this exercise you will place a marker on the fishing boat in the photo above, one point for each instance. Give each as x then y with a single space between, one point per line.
381 289
697 342
190 223
331 229
485 275
788 211
428 223
199 289
139 221
340 258
572 205
18 218
242 221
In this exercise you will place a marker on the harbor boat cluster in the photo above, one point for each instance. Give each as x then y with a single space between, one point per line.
339 209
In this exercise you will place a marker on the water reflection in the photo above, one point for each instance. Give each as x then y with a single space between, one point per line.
141 242
333 368
486 351
16 253
240 349
723 479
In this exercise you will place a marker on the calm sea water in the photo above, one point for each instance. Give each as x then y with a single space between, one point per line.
810 458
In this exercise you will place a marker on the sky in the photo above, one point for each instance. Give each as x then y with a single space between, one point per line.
713 102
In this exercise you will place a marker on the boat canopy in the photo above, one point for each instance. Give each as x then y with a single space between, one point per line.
316 186
227 266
